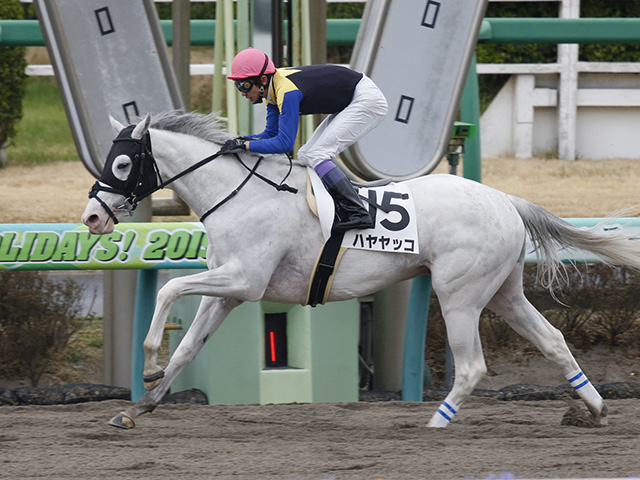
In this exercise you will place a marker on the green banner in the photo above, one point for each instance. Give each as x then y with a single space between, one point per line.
130 246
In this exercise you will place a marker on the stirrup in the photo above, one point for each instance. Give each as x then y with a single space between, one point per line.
360 223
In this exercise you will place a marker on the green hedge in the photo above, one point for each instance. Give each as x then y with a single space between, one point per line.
12 77
544 53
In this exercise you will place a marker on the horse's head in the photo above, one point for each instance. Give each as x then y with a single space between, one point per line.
129 175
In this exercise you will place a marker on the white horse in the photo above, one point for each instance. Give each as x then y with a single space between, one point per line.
263 245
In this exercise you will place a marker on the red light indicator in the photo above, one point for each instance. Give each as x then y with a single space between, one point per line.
272 342
275 340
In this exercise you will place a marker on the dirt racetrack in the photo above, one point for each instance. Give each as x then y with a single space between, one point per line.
386 440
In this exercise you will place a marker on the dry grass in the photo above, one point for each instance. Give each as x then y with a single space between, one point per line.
49 193
583 188
580 188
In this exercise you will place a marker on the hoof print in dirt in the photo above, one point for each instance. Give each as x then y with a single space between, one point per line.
575 417
187 396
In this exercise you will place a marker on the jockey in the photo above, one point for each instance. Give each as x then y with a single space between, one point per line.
354 105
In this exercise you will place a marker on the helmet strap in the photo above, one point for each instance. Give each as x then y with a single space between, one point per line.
259 100
259 77
261 86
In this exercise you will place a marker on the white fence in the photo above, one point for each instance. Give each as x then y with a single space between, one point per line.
577 109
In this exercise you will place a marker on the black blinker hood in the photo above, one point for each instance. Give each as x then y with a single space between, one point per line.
143 176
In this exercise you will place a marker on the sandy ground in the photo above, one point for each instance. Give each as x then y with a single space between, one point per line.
50 193
601 365
57 192
386 440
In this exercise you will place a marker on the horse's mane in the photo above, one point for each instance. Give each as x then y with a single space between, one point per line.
210 127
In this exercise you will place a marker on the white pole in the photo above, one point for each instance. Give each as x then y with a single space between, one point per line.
218 55
229 53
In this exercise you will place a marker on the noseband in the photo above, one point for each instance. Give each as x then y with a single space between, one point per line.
145 179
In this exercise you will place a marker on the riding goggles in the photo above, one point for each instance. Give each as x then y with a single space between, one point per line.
244 84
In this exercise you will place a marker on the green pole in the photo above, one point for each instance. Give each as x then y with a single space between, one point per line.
229 53
343 31
143 314
218 60
244 41
470 113
415 339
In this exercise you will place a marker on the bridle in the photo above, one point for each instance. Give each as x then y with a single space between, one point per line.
144 178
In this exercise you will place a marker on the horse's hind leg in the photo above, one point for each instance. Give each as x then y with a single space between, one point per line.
464 288
511 304
464 339
462 294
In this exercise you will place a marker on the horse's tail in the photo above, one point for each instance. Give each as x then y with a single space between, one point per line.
549 234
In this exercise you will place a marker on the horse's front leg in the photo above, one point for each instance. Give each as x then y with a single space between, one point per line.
153 373
211 314
224 281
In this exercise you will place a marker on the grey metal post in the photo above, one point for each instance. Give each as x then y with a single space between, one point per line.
261 16
318 23
390 308
318 14
119 306
180 12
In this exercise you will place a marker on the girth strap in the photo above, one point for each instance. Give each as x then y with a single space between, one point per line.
325 269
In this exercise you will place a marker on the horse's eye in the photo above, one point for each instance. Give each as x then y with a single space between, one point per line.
123 166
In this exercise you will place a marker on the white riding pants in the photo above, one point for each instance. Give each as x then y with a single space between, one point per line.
339 131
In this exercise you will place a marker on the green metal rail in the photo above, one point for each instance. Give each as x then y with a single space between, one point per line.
345 31
560 30
18 33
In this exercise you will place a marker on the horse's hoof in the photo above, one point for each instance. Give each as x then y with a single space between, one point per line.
152 381
122 420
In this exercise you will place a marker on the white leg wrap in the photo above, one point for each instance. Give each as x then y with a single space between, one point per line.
444 414
583 387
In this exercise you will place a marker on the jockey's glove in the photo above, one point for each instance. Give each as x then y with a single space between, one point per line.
233 146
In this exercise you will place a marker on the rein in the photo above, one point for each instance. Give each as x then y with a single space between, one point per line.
252 172
145 157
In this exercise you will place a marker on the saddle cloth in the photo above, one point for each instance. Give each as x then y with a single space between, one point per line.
392 208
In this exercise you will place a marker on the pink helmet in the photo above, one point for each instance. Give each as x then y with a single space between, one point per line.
251 63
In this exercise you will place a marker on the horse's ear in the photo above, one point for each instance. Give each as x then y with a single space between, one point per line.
117 126
142 127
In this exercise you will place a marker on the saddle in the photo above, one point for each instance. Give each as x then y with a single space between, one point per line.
321 204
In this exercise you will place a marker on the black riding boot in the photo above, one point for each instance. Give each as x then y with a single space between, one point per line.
350 213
